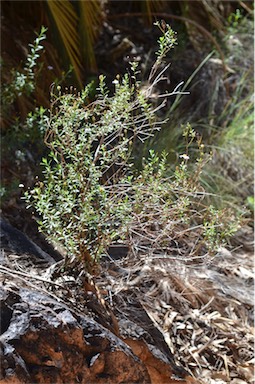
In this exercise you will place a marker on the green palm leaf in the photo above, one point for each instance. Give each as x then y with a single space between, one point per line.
90 21
66 20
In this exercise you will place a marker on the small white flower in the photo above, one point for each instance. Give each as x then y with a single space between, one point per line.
21 185
184 156
115 81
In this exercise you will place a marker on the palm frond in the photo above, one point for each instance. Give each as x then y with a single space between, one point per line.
66 21
90 21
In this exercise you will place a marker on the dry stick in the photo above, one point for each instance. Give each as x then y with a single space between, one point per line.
168 257
250 11
181 18
23 274
75 311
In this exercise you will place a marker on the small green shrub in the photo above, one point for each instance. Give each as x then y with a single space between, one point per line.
24 82
81 200
92 194
22 131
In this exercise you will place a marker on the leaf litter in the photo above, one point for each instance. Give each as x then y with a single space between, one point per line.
204 311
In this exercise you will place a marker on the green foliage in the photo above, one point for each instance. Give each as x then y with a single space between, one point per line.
250 202
218 226
24 82
234 18
78 200
92 195
231 173
229 177
166 41
20 145
23 134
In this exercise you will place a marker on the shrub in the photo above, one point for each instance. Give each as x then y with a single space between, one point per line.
92 194
22 132
23 82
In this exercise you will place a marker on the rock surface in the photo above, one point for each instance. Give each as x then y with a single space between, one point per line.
15 241
43 341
